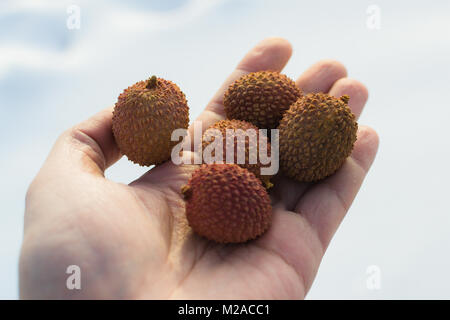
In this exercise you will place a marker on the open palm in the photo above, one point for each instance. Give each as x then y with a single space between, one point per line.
133 241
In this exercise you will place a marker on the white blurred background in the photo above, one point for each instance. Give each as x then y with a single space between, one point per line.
395 241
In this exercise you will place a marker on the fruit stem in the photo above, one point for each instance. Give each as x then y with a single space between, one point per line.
151 82
186 191
268 184
345 98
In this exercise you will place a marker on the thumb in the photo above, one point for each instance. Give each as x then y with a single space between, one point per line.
88 147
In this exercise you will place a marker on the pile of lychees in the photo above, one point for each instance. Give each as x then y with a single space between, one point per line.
225 202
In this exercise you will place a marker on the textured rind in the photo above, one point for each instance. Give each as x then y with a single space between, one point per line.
144 119
317 134
250 148
227 204
260 98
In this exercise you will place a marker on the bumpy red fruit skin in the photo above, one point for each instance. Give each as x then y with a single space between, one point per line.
317 134
144 118
260 98
227 204
240 140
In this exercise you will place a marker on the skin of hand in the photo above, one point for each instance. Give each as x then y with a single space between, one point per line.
133 241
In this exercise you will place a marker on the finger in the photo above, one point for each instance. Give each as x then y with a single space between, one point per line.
269 54
321 76
291 238
355 90
325 204
87 147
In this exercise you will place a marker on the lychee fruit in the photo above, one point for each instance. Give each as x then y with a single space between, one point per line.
242 140
260 98
317 134
144 118
227 204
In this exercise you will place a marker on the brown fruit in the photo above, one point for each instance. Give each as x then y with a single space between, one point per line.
245 142
144 118
317 134
227 204
260 98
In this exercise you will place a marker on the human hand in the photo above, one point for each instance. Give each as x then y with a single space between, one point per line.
133 241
